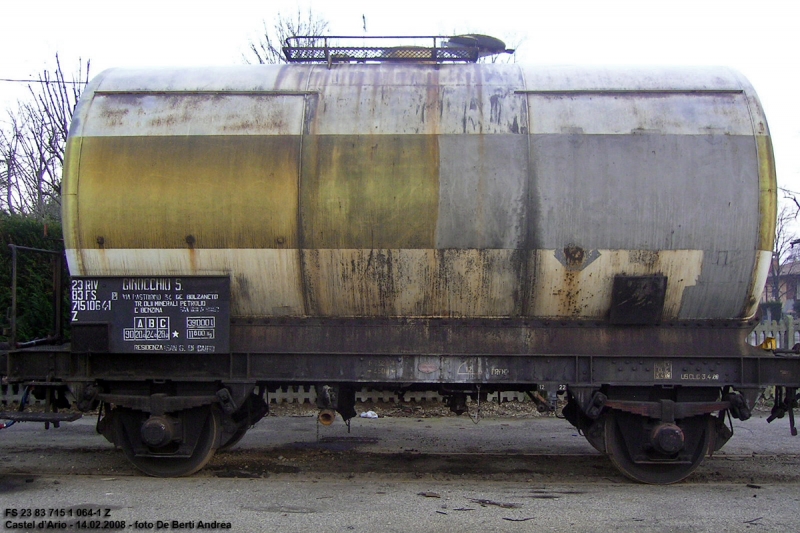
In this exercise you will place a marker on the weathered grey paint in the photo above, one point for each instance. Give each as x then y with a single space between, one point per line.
483 191
599 191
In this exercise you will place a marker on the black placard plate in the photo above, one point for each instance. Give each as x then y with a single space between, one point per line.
638 300
155 314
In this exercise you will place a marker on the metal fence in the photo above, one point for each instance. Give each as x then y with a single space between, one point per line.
10 396
299 394
786 333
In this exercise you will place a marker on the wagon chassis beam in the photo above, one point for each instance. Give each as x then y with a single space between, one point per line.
668 410
498 371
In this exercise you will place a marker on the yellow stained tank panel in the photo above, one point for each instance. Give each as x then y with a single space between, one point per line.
69 198
264 282
154 192
767 197
584 290
346 283
768 212
372 192
415 283
411 283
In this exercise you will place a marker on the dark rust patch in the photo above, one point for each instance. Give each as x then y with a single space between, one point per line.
647 258
243 287
574 255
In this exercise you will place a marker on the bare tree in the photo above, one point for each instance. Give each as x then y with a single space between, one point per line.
33 142
786 252
9 146
791 197
269 47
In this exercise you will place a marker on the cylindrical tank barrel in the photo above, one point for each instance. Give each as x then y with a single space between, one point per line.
402 190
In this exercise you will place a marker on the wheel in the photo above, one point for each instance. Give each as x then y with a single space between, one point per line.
628 445
592 430
595 434
234 439
235 427
201 426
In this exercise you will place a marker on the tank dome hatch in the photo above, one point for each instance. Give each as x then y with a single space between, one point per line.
486 45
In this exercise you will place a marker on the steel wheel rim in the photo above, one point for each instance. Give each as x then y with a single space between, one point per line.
654 474
178 467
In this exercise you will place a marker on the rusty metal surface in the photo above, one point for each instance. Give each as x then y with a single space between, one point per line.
678 410
577 283
495 372
414 282
426 191
518 337
417 99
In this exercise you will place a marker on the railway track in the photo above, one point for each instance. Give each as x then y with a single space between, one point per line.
296 448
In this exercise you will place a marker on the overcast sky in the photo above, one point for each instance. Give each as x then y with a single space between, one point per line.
760 39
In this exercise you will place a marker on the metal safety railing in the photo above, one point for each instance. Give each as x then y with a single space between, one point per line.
58 266
436 49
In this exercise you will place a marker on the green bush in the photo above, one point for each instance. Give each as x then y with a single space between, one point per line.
34 275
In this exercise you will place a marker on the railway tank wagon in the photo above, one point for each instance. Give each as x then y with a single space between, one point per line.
416 225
